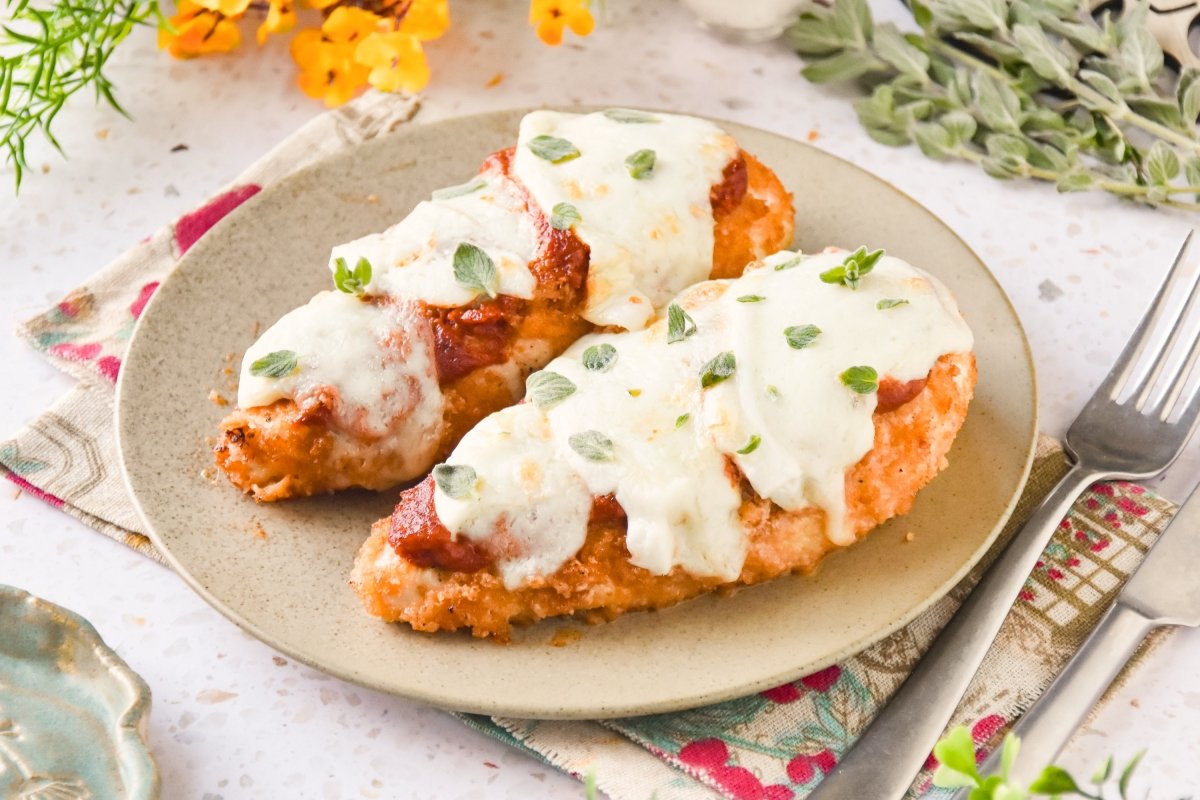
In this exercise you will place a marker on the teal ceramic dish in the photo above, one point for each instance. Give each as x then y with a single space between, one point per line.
72 713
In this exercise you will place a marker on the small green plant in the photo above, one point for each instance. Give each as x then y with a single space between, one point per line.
957 770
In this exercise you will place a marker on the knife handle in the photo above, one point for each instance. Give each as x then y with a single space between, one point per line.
1046 727
887 756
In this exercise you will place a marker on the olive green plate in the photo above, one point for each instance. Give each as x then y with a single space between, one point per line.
289 587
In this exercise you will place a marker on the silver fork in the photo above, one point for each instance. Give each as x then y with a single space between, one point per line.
1131 438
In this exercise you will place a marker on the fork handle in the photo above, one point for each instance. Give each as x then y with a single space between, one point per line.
883 762
1046 727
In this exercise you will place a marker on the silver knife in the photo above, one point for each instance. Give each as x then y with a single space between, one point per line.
1163 591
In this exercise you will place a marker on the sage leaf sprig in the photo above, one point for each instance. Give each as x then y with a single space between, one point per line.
1034 89
474 269
957 769
351 281
277 364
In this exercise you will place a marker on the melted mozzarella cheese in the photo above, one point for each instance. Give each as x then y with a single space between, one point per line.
649 238
375 360
668 470
415 257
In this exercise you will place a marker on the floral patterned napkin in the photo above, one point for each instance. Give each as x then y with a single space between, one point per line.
773 745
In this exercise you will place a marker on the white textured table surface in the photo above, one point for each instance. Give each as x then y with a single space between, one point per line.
232 718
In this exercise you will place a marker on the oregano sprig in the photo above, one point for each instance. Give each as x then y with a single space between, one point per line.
1023 88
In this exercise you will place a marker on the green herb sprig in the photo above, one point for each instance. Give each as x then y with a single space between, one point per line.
352 281
1023 88
47 55
956 770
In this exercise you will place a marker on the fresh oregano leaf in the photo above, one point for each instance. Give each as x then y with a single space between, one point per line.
721 368
862 380
1162 163
553 149
751 298
641 164
458 191
630 116
751 445
890 302
1053 781
455 481
474 269
564 216
853 269
547 389
682 420
599 357
592 445
277 364
801 336
680 324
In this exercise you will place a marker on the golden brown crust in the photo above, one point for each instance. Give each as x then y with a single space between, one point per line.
910 448
280 451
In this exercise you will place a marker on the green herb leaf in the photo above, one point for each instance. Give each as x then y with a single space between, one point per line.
634 392
641 164
1103 772
773 392
751 298
946 778
1127 773
599 357
553 149
1008 753
801 336
457 482
719 369
278 364
956 750
890 303
1162 164
680 324
1053 781
352 281
629 115
843 67
592 445
791 262
751 445
475 269
851 271
449 192
564 216
547 389
862 380
682 420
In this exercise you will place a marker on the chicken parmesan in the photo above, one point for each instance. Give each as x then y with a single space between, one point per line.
758 424
590 222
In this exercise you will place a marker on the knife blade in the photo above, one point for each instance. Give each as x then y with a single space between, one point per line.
1162 591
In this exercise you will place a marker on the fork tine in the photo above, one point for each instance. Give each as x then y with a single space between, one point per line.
1147 385
1117 377
1166 408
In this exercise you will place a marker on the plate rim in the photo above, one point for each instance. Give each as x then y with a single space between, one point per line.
594 710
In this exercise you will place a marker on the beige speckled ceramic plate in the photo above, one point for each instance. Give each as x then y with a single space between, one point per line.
289 588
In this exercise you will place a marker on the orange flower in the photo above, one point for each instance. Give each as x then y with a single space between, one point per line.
426 19
198 31
281 18
550 17
396 60
226 8
328 70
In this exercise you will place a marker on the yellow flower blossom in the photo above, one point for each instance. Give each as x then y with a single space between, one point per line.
550 17
426 19
226 8
281 18
396 60
328 70
197 31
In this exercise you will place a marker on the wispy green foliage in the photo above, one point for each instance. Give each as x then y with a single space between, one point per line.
47 55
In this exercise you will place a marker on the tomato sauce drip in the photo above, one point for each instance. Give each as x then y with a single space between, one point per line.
419 537
606 509
893 393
